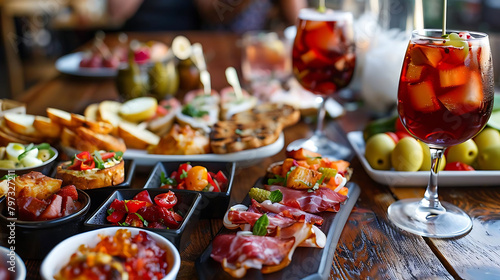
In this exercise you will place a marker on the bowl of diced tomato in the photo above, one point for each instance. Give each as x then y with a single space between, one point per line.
213 180
170 213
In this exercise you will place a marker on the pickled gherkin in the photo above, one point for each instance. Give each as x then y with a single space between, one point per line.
259 194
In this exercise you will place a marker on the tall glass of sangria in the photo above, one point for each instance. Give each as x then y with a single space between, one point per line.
323 59
445 97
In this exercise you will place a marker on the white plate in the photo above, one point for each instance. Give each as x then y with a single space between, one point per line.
244 158
420 178
70 64
60 255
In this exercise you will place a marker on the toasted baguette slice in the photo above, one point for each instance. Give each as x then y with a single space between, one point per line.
68 137
21 138
95 126
91 179
59 116
91 112
135 137
108 111
5 139
21 124
47 127
100 141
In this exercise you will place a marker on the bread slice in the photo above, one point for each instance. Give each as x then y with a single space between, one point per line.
68 138
19 138
91 179
100 141
91 112
47 127
21 124
96 126
59 116
137 138
108 111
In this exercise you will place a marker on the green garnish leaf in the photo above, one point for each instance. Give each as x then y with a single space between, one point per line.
238 131
142 219
319 182
118 155
277 180
183 175
167 180
276 196
99 163
260 226
8 177
110 211
124 224
190 110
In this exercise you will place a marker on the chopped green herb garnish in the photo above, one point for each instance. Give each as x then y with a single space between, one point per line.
190 110
277 180
110 211
142 219
276 196
167 180
183 175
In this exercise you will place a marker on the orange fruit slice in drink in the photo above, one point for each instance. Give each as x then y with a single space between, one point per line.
422 97
453 77
421 55
466 98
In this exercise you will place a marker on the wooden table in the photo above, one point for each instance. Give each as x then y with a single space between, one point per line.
370 246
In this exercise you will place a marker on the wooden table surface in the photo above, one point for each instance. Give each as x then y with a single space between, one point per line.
370 247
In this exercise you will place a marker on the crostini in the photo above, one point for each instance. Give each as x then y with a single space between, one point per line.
93 170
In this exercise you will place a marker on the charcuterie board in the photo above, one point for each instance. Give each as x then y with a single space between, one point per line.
307 263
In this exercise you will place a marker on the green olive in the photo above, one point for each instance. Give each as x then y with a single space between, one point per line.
378 151
426 163
43 155
465 152
408 155
488 159
487 138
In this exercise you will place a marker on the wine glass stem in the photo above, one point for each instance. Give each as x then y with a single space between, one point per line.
321 116
430 203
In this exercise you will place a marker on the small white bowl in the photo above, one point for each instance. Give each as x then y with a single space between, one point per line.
6 257
59 256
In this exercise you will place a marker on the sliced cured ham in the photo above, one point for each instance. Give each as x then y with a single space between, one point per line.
245 217
322 199
290 212
238 252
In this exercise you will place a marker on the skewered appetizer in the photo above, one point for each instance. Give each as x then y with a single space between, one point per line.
93 170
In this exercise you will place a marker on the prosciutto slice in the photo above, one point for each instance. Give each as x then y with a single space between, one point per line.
320 200
238 252
245 217
291 212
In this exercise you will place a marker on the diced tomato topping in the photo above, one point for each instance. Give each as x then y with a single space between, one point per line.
221 179
118 205
108 155
134 205
144 196
169 218
212 182
134 220
115 217
458 166
167 200
182 171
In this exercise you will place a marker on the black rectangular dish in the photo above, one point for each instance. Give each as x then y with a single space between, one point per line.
98 196
307 263
187 203
212 204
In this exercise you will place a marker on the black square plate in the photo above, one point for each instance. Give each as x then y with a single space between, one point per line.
212 204
187 203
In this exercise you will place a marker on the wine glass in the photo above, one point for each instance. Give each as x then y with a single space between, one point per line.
445 97
323 59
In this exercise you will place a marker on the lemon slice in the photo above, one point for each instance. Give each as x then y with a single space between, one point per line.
181 47
139 109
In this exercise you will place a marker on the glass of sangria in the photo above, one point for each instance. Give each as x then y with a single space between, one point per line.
445 97
323 60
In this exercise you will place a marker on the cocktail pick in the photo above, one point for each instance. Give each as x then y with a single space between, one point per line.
205 80
181 47
232 79
199 59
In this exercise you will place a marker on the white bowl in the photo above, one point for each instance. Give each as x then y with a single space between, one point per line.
6 257
59 256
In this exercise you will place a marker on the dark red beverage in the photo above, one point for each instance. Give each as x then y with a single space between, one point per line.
323 51
445 95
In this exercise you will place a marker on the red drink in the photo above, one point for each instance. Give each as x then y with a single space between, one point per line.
445 95
323 51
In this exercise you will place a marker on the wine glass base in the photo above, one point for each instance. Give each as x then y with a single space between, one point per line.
319 143
454 222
